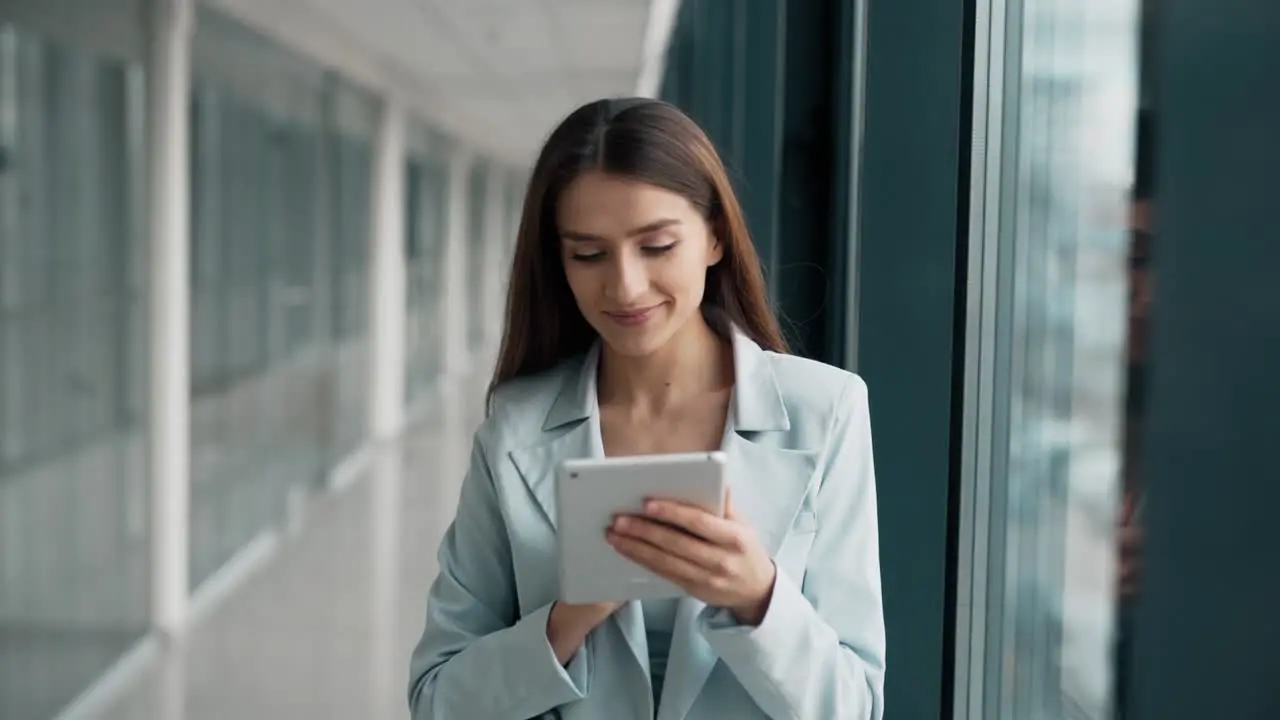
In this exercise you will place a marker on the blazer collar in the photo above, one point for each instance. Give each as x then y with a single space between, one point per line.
756 407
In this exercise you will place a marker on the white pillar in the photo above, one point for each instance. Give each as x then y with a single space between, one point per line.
387 281
169 33
455 309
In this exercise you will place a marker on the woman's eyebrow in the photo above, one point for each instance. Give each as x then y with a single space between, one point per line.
642 230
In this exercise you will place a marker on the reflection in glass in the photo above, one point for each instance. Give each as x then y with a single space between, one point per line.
475 239
73 525
427 175
280 216
1133 490
351 164
1045 375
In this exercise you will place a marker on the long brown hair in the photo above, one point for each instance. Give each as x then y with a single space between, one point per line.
645 140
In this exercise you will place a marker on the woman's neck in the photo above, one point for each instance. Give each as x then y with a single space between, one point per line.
694 361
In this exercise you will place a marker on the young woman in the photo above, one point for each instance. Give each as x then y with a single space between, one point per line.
637 323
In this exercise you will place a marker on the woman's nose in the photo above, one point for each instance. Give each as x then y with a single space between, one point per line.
628 281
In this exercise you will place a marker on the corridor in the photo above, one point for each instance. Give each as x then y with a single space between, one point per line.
258 259
323 623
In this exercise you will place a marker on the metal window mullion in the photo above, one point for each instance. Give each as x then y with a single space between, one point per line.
975 479
998 618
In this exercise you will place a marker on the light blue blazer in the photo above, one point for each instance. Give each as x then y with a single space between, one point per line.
799 447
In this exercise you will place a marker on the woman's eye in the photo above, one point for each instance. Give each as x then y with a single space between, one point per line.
593 256
659 249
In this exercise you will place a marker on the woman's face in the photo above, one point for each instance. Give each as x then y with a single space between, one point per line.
636 258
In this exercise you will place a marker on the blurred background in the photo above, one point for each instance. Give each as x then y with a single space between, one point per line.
253 256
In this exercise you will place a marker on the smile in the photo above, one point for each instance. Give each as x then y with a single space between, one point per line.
632 318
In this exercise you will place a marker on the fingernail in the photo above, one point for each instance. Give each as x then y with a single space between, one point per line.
652 506
619 523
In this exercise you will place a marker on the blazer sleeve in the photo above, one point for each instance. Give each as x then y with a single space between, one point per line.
820 650
477 658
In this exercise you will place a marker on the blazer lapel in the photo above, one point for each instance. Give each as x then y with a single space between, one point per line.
630 620
767 484
688 665
572 430
537 465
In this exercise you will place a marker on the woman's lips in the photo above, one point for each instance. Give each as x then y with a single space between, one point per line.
632 318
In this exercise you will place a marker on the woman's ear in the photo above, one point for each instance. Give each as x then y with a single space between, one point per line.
717 251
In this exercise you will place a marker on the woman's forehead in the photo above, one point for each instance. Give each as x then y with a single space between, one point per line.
609 205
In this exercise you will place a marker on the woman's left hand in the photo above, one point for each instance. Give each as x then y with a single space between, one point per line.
717 560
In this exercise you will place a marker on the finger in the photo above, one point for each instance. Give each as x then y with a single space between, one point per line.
675 541
720 531
729 512
676 569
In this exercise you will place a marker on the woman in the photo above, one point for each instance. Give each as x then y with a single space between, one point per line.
637 322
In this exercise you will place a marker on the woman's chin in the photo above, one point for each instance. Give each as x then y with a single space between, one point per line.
632 342
635 340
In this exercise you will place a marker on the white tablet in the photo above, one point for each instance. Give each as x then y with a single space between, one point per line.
590 492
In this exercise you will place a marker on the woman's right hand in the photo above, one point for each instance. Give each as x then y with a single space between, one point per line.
568 626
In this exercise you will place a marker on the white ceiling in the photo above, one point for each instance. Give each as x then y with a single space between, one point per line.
498 74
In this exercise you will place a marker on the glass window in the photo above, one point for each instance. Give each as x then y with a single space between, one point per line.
426 178
350 161
1054 109
280 155
74 558
476 240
